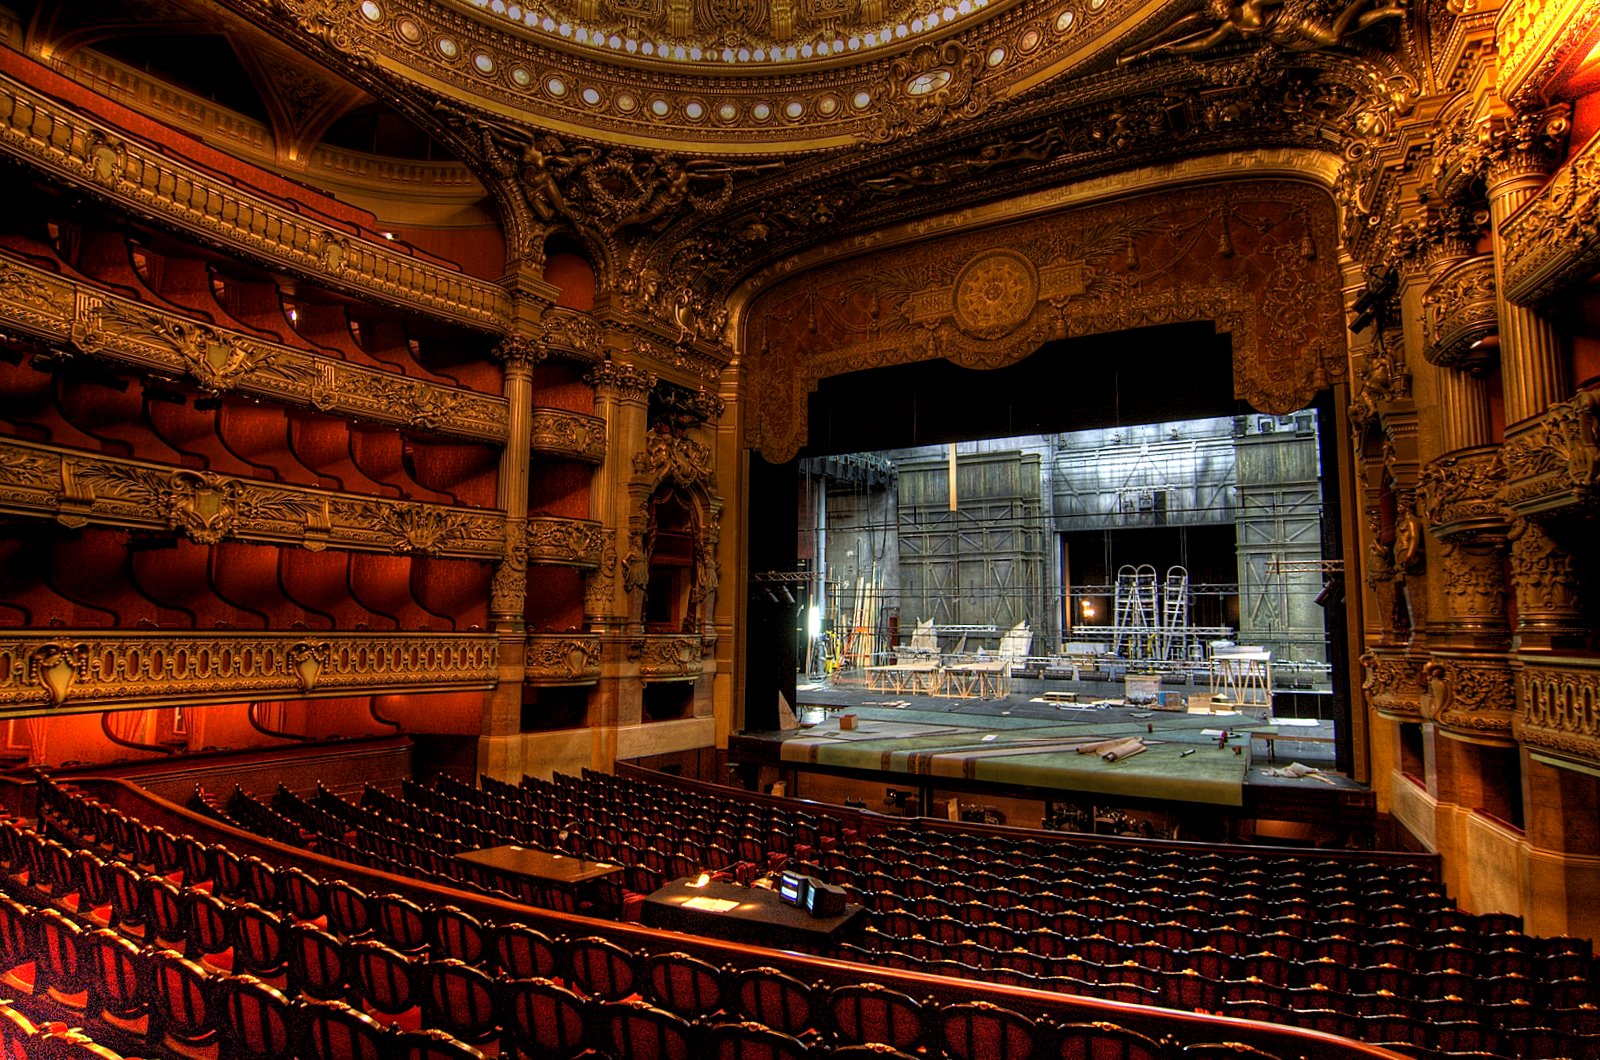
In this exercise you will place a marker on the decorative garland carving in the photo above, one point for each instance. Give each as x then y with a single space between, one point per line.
94 158
564 542
1553 462
568 435
217 359
933 84
1254 246
571 333
561 659
673 458
1470 695
667 657
1559 709
77 489
1461 492
95 670
1459 311
1393 684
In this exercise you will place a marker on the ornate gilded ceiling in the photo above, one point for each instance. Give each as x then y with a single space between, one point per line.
730 76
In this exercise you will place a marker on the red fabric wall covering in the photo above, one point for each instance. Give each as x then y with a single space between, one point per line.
93 570
185 282
116 417
479 252
317 582
559 385
379 452
456 588
193 432
382 585
102 259
260 435
467 360
453 713
560 488
466 472
28 407
322 443
25 557
575 277
555 600
247 577
257 305
346 716
328 329
179 578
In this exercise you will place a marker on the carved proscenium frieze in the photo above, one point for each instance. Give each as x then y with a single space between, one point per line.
1393 683
557 542
1553 462
93 670
219 360
1458 313
668 657
80 152
556 659
1241 259
1558 708
568 435
77 489
1473 695
1552 244
1461 492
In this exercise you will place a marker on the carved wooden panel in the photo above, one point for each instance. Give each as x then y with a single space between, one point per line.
555 659
64 670
564 542
1258 260
77 489
1552 244
568 435
218 359
1553 462
668 657
1458 311
1558 708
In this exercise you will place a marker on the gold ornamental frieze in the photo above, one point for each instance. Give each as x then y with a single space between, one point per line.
1255 261
558 542
220 360
561 659
568 435
1393 683
1471 695
1553 462
83 153
571 334
1539 42
1461 492
78 489
1558 708
1552 244
83 670
1459 311
668 657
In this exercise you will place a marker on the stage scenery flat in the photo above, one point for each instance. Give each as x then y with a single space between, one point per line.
1179 760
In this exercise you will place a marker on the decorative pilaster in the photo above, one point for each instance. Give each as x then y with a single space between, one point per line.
622 394
1522 152
519 355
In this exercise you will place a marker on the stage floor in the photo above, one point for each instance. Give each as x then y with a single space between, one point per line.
1024 744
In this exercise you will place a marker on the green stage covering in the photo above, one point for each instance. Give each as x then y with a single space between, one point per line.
1038 754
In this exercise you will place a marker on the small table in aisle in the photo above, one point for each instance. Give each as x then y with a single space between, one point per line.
753 915
559 870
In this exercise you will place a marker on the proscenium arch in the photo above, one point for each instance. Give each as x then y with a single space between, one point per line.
1253 262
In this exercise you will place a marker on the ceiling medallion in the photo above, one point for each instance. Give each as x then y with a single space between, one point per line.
994 293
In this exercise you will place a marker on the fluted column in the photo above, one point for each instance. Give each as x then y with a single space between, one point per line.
508 592
621 396
1533 368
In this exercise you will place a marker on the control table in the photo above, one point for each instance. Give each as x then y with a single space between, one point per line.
562 871
754 915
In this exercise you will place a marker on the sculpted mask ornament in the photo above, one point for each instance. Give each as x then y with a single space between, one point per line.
509 590
1408 538
203 505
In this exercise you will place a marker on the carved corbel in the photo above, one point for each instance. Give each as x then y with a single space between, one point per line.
56 668
1547 582
1473 696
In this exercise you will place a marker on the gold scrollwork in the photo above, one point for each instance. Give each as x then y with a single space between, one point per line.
1459 311
668 657
1473 696
1559 710
564 542
555 659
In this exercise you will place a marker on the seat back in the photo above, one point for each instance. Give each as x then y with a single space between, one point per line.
348 908
181 999
980 1030
332 1030
58 960
118 978
260 940
870 1012
431 1043
600 968
746 1040
778 1000
399 922
684 984
256 1018
640 1031
545 1018
460 998
458 934
316 963
384 978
